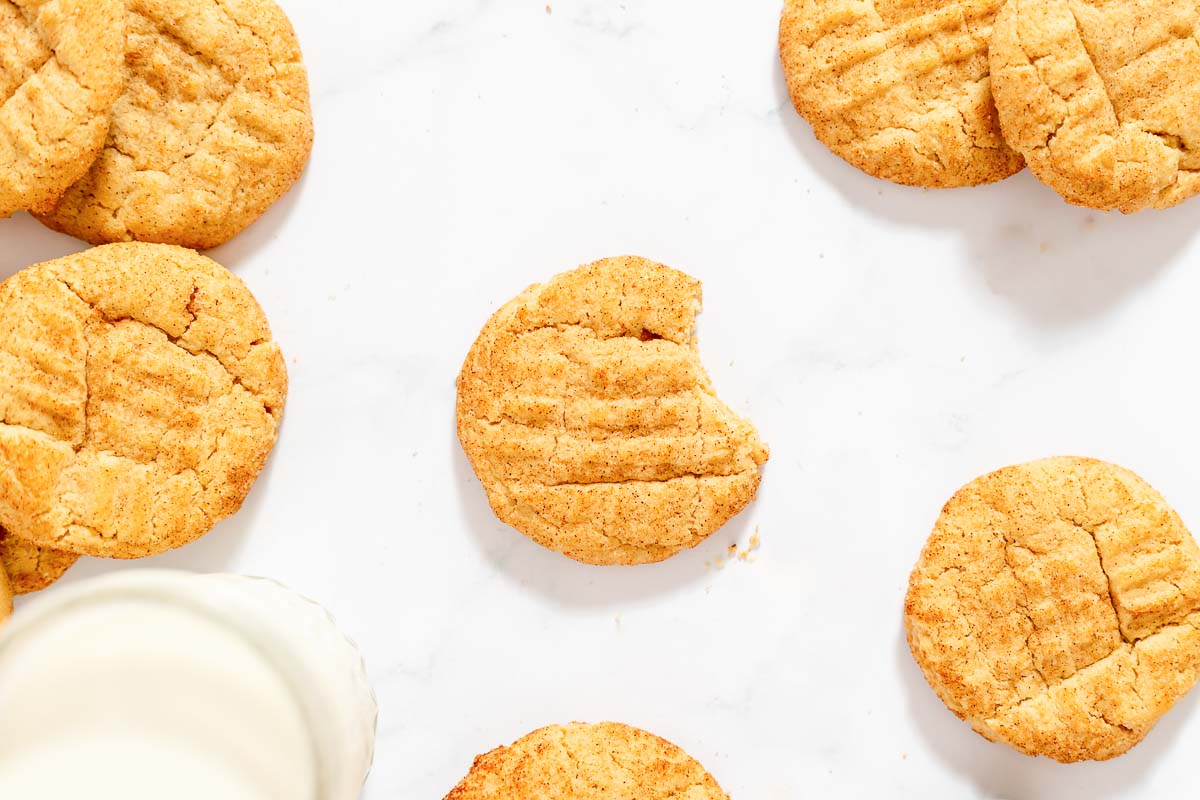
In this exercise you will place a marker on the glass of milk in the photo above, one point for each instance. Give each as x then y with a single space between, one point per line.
159 684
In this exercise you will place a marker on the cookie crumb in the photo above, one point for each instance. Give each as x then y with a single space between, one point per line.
753 545
743 554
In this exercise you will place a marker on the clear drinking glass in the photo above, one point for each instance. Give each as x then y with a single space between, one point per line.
153 683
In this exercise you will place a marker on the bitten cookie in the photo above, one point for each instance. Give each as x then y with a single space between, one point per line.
899 89
140 395
586 413
60 72
1056 608
212 128
1103 98
607 761
31 568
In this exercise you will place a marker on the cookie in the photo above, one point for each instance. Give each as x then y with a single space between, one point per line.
586 413
212 128
6 596
140 392
31 568
60 72
899 89
1103 98
1056 608
588 762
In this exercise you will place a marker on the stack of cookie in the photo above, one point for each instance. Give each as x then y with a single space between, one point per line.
171 121
140 396
142 389
1099 99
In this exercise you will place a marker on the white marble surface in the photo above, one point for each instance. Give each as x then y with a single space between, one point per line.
889 343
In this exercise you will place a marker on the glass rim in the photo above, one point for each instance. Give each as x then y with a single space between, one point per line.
154 585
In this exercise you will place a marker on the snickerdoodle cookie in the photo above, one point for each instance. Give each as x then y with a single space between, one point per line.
899 89
1056 608
1102 97
586 413
140 397
213 126
60 72
31 568
6 596
588 762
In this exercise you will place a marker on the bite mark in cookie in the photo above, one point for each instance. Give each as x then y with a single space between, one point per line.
587 415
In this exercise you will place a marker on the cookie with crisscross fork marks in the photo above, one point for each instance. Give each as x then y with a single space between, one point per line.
140 398
607 761
60 72
1056 607
212 128
1103 97
31 568
899 88
587 415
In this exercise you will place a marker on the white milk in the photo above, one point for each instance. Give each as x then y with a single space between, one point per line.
149 684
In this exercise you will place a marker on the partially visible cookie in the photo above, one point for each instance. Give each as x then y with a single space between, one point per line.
608 761
31 568
899 89
1103 98
586 413
140 392
60 72
1056 608
6 596
212 128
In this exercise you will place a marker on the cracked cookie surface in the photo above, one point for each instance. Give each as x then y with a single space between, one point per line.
587 415
141 395
1056 608
899 88
586 762
31 568
60 72
213 126
1103 98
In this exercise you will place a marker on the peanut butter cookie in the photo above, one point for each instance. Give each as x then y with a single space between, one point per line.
31 568
213 127
1056 608
608 761
899 88
140 398
6 596
60 72
586 413
1103 98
